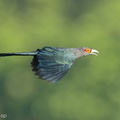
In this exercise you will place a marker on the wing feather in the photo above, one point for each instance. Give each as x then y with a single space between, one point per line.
47 67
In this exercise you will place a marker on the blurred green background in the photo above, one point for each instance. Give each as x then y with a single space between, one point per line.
91 89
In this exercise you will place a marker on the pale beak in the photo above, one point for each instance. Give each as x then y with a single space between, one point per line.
94 52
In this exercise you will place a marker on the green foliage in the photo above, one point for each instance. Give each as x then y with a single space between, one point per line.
91 89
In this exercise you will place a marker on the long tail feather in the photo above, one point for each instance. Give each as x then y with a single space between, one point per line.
19 54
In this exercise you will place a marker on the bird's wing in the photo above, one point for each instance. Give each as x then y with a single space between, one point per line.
50 64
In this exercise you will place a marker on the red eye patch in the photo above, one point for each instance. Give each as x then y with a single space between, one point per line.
87 50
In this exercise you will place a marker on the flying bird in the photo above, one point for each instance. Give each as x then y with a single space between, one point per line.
52 63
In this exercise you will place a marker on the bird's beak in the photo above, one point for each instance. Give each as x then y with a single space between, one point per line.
94 52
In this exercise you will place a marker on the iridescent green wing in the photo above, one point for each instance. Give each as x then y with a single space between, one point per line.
52 63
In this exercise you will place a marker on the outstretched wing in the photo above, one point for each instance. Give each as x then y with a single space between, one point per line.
50 64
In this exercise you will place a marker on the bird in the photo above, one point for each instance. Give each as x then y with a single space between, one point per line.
52 63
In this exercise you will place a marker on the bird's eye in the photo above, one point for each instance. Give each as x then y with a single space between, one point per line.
87 50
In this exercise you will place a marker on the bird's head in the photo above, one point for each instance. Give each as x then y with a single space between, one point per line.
84 51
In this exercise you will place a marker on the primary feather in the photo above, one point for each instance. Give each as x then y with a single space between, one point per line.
52 64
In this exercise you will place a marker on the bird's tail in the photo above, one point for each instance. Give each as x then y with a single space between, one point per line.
19 54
